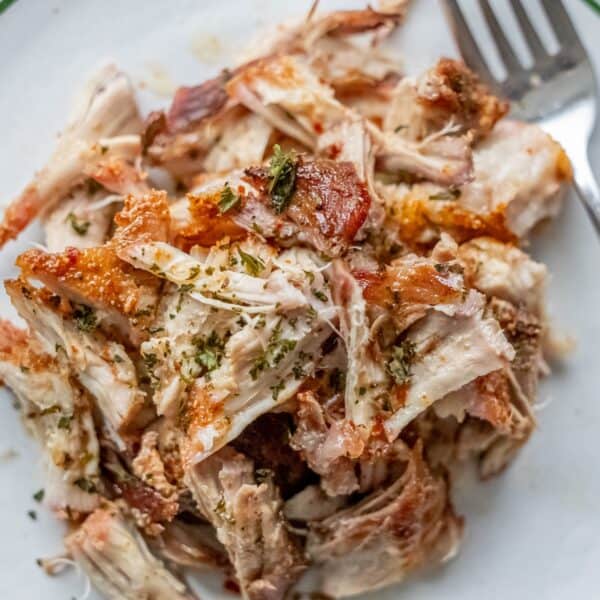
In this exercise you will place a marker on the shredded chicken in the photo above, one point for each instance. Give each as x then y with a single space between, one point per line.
270 323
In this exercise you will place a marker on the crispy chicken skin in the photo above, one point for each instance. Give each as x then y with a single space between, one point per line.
271 323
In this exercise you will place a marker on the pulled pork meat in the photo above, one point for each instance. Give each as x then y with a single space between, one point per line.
386 535
271 322
249 522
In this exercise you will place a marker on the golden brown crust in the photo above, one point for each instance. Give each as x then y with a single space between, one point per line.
455 91
94 276
143 219
206 225
416 216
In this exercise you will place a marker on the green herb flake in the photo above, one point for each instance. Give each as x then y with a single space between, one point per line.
150 360
79 227
282 175
322 296
39 495
252 264
209 351
32 515
277 349
65 422
85 318
194 272
298 371
228 199
399 366
86 485
262 475
276 389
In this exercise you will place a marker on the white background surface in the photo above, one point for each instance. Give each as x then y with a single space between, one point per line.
534 532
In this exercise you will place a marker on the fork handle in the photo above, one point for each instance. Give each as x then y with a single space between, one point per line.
587 188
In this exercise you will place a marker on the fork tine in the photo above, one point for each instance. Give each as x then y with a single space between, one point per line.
536 47
563 27
511 62
466 43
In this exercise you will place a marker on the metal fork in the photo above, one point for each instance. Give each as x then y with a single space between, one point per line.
557 91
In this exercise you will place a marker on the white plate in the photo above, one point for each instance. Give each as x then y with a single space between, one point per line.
533 532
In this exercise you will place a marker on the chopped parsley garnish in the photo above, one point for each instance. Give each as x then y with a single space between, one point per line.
277 349
322 296
79 227
399 366
228 199
253 265
150 360
298 371
86 485
39 495
32 515
276 389
85 318
399 128
310 276
209 351
221 511
65 422
194 272
446 195
262 475
282 175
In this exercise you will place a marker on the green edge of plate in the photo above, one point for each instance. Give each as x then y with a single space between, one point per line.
4 4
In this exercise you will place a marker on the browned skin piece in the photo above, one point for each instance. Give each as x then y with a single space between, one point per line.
166 140
421 283
192 104
19 214
453 91
329 204
98 277
327 208
207 225
143 219
492 402
414 215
